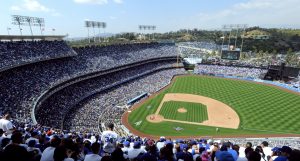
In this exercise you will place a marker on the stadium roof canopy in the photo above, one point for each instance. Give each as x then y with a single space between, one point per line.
31 38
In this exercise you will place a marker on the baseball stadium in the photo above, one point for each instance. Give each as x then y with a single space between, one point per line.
120 80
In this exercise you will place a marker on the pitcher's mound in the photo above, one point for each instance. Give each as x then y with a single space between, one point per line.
182 110
155 118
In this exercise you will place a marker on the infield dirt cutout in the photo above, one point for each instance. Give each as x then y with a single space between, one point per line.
219 114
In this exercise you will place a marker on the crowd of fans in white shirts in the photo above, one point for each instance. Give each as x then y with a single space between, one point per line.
13 53
21 86
67 98
229 71
37 143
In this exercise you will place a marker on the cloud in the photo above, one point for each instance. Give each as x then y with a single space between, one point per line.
254 12
15 8
99 2
118 1
34 6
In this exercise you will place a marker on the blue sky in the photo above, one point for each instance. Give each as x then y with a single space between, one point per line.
67 16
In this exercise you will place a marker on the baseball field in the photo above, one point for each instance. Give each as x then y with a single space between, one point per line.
209 106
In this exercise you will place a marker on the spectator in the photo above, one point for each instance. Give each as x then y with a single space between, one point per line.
166 153
267 150
6 125
254 156
285 152
94 156
14 148
117 155
261 152
274 154
34 136
135 151
109 138
1 136
48 153
152 152
295 155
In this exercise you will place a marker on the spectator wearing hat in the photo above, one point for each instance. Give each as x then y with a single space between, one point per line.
224 156
274 154
94 156
285 152
183 153
33 136
125 148
109 139
161 143
136 150
31 147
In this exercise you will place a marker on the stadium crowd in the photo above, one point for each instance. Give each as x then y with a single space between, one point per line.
202 45
66 98
37 143
13 53
110 105
21 86
229 71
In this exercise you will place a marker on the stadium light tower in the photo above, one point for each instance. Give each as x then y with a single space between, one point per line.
104 27
17 21
88 25
146 28
39 22
99 26
28 21
94 24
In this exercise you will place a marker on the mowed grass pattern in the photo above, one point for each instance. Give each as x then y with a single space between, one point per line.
262 109
196 112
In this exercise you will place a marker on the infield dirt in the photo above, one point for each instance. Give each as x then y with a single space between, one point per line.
219 114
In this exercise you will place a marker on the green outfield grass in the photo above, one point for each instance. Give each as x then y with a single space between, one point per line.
262 109
196 112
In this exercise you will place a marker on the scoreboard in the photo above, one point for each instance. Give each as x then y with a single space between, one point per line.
230 54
